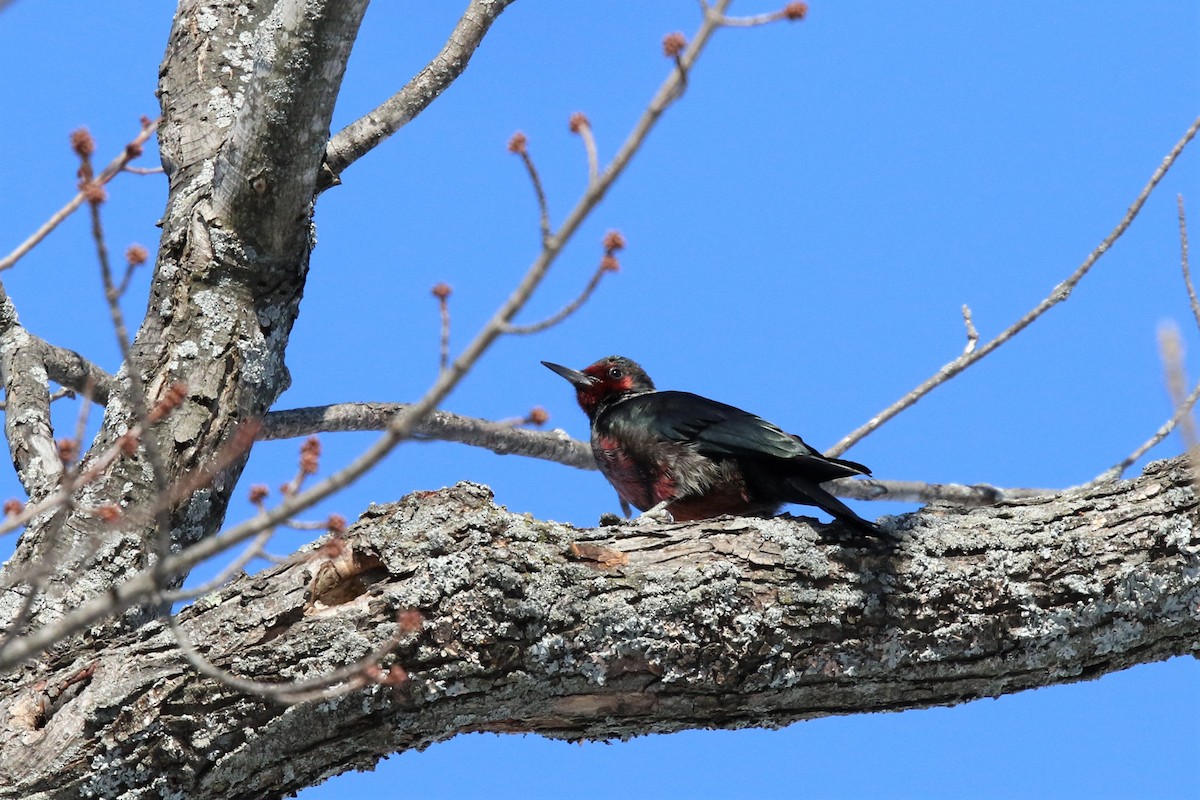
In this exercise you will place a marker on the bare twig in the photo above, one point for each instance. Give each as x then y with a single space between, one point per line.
60 394
1060 293
580 124
498 437
1183 410
519 144
144 170
131 151
1183 261
339 681
252 551
137 388
613 241
791 12
442 292
1183 405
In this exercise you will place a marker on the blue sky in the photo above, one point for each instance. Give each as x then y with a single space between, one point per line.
802 230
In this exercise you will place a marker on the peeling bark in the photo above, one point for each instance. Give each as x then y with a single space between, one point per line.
535 626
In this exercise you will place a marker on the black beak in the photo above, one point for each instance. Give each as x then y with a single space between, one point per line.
576 377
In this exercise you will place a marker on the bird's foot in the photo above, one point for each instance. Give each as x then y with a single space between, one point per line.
653 516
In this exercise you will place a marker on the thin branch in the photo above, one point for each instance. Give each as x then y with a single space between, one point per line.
364 134
338 682
1060 293
791 12
232 569
519 144
613 241
131 151
580 124
442 292
1183 261
144 170
1183 406
137 388
1183 410
501 438
564 312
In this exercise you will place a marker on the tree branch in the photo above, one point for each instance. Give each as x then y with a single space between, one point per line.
1060 293
536 627
364 134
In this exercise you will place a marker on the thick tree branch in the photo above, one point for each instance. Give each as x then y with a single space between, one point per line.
364 134
265 177
608 633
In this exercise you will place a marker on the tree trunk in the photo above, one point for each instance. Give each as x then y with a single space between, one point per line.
244 128
533 626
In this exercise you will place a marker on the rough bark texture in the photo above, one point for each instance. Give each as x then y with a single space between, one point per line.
534 626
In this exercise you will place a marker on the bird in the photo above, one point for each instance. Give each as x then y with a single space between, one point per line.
697 458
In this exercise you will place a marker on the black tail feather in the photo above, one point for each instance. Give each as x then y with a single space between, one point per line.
809 493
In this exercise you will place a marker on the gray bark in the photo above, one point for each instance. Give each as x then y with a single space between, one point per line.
534 626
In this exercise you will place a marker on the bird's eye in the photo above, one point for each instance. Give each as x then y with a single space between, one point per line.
616 372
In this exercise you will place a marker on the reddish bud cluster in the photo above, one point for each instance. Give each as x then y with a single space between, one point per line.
673 44
610 264
258 493
442 290
128 444
578 121
336 524
538 416
93 192
310 456
613 241
12 507
410 621
170 401
108 512
795 11
396 676
82 142
517 143
68 450
132 151
136 255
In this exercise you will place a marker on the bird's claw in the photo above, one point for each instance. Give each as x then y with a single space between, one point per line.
655 516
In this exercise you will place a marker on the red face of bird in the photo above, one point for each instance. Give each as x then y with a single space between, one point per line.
607 379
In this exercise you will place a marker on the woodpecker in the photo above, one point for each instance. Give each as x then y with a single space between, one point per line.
697 458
